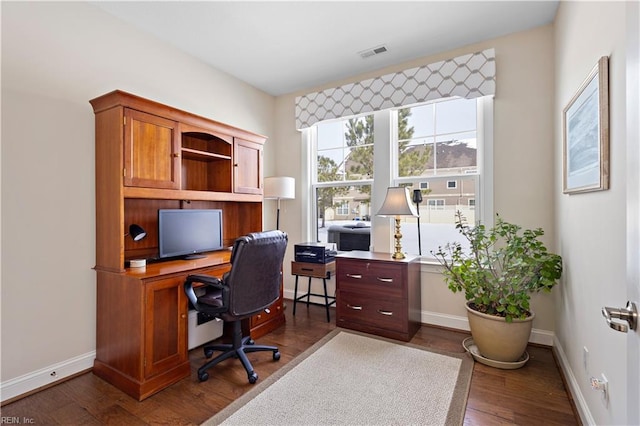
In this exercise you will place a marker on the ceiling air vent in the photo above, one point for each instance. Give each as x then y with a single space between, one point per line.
373 51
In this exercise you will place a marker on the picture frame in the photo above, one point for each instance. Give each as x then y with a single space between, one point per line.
585 128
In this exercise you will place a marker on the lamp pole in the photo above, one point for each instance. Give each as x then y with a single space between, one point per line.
417 198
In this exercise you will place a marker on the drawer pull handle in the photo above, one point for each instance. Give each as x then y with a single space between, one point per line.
387 313
307 269
358 276
385 280
355 308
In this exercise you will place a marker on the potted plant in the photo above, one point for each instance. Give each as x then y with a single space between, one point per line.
498 273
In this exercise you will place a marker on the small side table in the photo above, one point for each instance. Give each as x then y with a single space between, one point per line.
313 270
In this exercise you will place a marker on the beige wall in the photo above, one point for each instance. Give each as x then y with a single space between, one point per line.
591 226
55 58
523 146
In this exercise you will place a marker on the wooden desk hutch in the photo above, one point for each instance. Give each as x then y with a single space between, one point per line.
151 156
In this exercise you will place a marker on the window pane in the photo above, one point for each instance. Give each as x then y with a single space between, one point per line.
443 145
331 166
415 157
421 120
345 150
330 135
437 215
455 116
340 210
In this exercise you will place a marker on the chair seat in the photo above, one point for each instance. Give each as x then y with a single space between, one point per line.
213 297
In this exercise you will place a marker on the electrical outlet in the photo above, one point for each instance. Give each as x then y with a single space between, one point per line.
585 359
605 391
601 385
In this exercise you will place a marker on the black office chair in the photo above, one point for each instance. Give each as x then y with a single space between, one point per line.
252 284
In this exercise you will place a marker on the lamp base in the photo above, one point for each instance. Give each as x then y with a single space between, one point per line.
398 236
398 255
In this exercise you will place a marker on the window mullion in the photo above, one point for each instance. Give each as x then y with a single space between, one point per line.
384 163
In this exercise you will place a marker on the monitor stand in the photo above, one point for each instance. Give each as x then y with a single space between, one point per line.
194 256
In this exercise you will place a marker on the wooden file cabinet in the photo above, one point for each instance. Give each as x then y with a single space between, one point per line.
377 294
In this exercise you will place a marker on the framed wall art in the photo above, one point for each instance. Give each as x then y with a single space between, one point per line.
585 135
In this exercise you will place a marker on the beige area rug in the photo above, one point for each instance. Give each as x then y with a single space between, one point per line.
350 378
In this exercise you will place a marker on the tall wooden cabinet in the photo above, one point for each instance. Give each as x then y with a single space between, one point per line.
150 156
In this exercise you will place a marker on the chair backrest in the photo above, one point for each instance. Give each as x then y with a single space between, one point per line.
256 268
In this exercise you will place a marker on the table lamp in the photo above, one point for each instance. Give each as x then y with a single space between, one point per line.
279 188
397 203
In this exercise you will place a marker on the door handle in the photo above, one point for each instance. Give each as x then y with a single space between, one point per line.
628 314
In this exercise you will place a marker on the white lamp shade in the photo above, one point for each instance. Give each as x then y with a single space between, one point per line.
397 203
280 188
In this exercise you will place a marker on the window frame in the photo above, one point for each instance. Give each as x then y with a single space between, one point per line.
386 174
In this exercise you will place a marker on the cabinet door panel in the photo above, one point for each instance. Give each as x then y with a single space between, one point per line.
165 325
247 164
151 156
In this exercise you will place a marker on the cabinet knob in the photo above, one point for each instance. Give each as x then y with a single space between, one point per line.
176 154
235 165
183 316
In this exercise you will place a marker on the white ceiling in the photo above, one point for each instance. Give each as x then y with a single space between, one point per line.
281 47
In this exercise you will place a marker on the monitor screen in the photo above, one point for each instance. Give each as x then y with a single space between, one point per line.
189 232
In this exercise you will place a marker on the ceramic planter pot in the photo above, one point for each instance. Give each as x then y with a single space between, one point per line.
497 339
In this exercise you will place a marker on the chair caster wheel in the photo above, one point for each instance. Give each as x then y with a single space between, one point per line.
203 377
276 355
208 353
253 377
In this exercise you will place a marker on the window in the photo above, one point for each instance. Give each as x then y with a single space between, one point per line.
436 204
436 148
342 209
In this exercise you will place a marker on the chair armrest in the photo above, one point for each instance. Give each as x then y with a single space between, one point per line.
207 280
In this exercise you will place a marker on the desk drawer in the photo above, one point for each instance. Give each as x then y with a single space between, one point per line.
354 308
264 316
315 270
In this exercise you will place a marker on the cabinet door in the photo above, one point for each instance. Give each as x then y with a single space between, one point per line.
151 151
247 165
165 328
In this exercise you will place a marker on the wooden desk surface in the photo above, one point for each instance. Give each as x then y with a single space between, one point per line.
220 257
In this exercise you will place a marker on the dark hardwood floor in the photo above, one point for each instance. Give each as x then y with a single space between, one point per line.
532 395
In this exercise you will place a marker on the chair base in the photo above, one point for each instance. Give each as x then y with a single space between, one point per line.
238 349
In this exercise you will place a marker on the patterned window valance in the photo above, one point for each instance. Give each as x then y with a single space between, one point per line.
467 76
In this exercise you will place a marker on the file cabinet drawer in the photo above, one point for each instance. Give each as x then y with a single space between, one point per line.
390 314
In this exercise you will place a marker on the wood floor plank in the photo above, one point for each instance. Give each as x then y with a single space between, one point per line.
534 394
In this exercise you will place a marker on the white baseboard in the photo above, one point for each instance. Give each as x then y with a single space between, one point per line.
46 376
538 336
445 320
574 388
